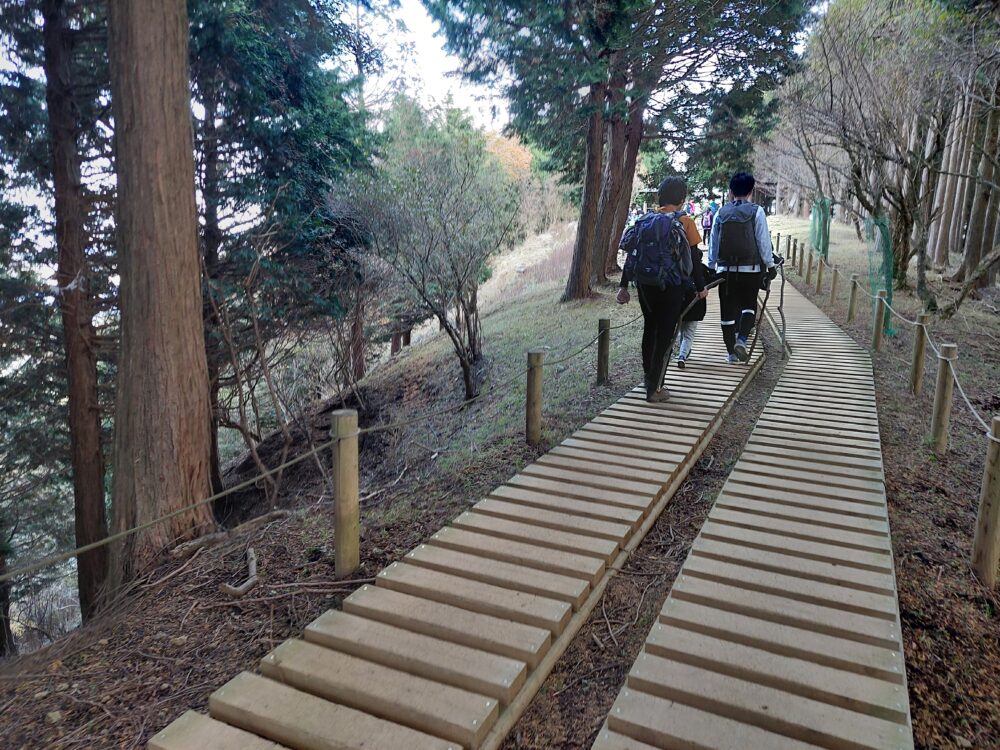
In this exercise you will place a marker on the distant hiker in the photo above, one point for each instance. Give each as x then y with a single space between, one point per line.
706 224
740 249
658 259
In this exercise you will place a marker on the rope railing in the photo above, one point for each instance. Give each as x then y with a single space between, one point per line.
61 557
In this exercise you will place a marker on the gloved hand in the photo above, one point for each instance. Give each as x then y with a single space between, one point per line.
623 296
772 272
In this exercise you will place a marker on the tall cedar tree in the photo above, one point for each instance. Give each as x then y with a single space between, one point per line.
162 436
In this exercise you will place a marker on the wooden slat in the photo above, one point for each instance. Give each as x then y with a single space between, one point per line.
493 634
581 508
304 722
194 731
564 521
460 666
566 541
505 575
431 707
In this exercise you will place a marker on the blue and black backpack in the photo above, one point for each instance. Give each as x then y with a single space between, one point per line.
657 250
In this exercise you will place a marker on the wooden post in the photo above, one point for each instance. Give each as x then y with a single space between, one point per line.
809 269
800 254
533 399
346 528
819 274
603 349
777 241
788 246
919 348
833 285
852 304
986 546
878 324
406 336
942 398
396 343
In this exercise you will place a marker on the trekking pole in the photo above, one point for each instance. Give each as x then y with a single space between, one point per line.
781 309
763 307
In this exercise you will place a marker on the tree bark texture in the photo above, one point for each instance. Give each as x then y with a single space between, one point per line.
611 181
162 441
633 139
949 184
8 647
981 198
964 168
74 306
578 284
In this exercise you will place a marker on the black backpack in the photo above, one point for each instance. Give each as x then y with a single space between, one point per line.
736 225
657 250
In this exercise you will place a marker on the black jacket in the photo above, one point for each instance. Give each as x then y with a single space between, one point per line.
701 275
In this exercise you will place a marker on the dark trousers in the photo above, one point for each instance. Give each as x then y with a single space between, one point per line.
738 305
661 311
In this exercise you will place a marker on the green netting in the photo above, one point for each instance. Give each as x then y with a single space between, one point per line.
819 228
880 265
869 229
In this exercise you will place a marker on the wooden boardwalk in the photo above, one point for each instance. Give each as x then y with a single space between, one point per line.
782 629
453 641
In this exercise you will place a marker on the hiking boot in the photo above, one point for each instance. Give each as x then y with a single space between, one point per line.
732 359
659 397
741 349
681 359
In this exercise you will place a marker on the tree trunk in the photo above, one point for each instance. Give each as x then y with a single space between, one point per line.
162 440
611 183
901 228
8 647
578 284
942 241
981 199
75 309
966 164
358 338
633 140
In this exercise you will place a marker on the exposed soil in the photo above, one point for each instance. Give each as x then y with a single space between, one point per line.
573 702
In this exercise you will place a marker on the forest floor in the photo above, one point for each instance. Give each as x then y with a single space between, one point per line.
176 638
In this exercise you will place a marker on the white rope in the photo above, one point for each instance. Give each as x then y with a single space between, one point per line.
901 317
975 413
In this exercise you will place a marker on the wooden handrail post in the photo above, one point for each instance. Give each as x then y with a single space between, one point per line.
347 527
878 322
788 246
819 274
800 254
603 349
919 348
833 285
852 303
986 545
777 241
809 269
533 399
942 398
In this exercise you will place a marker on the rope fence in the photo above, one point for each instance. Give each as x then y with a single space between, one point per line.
986 544
353 435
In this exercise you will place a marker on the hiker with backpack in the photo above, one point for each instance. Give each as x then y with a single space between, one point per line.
658 259
695 306
740 250
706 224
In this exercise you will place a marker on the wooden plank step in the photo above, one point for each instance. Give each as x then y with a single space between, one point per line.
194 731
832 620
787 640
602 472
754 466
582 509
812 529
777 562
792 586
304 722
669 724
559 470
443 621
565 487
761 512
477 671
866 695
736 493
603 434
802 487
505 575
567 541
520 553
757 454
775 710
616 532
879 561
416 702
608 740
662 464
